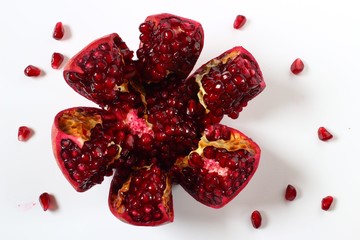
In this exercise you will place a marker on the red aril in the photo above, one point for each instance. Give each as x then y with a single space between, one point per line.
290 192
324 134
297 66
326 202
24 133
239 21
58 32
56 60
256 219
32 71
45 201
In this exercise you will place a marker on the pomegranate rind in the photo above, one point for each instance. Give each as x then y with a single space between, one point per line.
224 190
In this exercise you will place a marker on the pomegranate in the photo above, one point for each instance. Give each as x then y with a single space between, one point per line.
324 134
239 21
156 125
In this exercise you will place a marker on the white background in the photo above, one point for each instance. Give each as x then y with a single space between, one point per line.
283 120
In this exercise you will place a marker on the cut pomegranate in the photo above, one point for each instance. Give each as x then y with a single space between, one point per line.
157 125
326 203
256 219
45 200
32 71
24 133
56 60
239 21
297 66
58 32
324 134
290 192
170 45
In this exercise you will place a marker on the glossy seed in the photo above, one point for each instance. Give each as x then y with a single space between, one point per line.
240 20
297 66
324 134
326 202
24 133
32 71
45 201
58 32
256 219
290 193
56 60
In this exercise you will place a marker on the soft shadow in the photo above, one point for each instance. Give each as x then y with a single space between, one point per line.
67 32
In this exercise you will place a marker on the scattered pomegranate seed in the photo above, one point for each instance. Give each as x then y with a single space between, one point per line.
56 60
58 31
45 200
324 134
297 66
32 71
24 133
240 20
256 219
290 193
326 203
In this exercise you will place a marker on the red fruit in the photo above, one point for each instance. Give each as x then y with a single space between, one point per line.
256 219
290 193
58 32
154 129
239 21
45 200
56 60
220 167
324 134
326 203
32 71
297 66
169 45
24 133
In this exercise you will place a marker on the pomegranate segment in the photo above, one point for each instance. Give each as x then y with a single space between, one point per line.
101 72
143 197
24 133
84 146
228 82
59 31
32 71
324 134
170 45
220 167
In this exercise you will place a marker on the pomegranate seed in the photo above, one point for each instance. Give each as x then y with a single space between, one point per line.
24 133
297 66
58 31
240 20
290 193
45 200
32 71
56 60
256 219
326 203
324 134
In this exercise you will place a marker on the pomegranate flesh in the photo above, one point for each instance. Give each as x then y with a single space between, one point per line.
156 128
